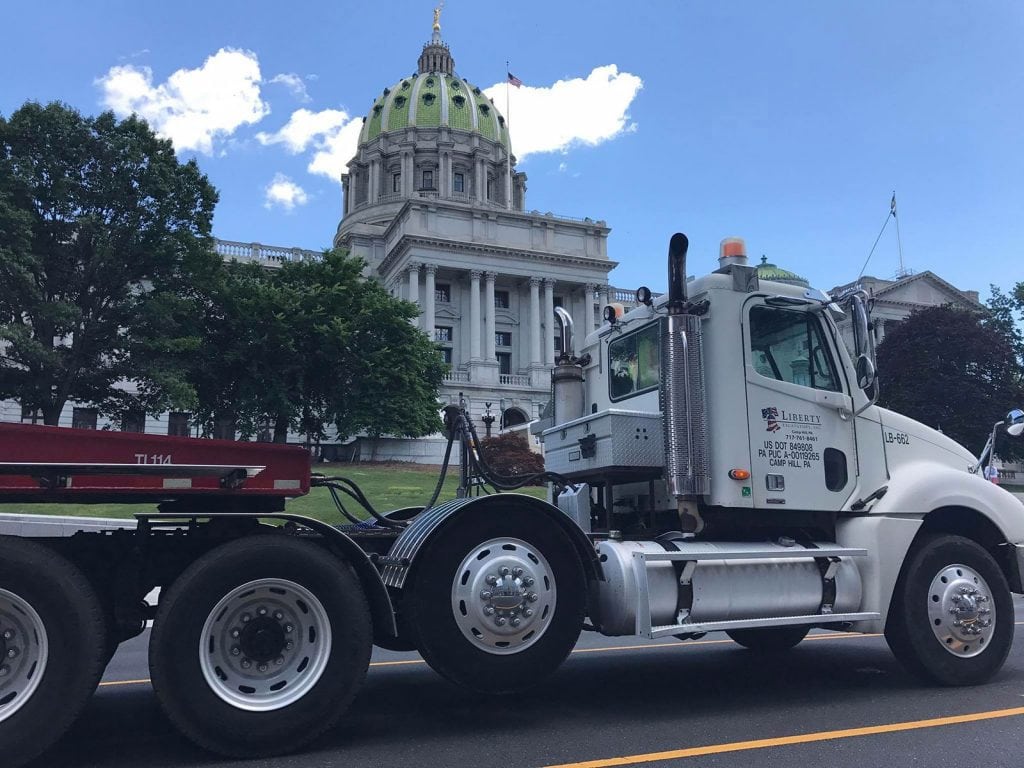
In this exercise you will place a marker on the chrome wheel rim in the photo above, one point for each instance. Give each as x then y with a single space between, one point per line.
961 611
265 645
23 652
503 596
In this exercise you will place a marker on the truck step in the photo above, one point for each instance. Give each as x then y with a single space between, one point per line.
779 621
701 551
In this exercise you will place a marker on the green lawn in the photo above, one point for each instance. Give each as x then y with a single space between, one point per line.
387 486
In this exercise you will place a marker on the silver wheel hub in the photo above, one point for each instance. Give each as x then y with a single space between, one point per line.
23 652
503 596
961 610
265 645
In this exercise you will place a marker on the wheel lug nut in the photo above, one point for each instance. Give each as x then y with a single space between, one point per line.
236 651
288 628
278 615
492 580
528 581
4 671
289 645
485 595
516 621
246 664
261 611
527 612
504 570
517 572
12 652
532 597
8 634
246 618
279 660
235 632
500 621
262 668
489 610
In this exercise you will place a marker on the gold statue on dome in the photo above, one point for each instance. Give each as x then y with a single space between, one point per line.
437 17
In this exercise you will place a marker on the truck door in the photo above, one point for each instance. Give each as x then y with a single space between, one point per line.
799 411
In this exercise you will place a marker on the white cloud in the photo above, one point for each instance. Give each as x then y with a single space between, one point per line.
294 84
194 107
332 133
284 192
569 112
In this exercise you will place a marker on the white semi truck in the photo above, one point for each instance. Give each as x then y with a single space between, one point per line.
717 463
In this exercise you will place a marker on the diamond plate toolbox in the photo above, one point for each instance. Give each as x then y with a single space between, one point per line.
605 440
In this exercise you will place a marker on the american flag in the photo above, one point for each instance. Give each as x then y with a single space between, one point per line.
513 80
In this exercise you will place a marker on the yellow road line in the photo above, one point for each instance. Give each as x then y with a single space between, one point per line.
805 738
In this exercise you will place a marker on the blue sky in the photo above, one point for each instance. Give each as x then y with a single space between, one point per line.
787 123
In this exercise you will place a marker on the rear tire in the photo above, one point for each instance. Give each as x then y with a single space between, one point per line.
52 621
769 639
260 646
537 588
951 618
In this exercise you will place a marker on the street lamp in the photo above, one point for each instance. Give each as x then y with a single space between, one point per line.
488 419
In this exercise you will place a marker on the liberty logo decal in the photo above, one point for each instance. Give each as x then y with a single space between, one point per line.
771 415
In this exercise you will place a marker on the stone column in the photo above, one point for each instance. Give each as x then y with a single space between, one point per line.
428 300
481 181
374 182
474 315
589 317
602 302
535 322
549 321
489 316
407 174
414 283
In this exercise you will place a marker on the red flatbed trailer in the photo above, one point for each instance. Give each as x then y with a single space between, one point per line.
57 464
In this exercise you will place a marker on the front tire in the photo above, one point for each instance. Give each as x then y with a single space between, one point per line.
951 619
497 600
52 648
260 646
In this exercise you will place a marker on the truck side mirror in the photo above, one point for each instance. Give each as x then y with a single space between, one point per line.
1015 422
865 370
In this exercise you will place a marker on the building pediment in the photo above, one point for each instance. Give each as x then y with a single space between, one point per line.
924 289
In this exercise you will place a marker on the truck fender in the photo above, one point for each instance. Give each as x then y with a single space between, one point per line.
402 557
918 493
381 609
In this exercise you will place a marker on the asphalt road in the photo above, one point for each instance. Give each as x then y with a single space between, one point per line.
699 703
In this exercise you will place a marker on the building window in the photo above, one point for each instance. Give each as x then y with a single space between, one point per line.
83 418
443 293
30 415
501 300
134 421
490 185
442 333
396 182
428 180
177 423
459 183
503 338
446 355
224 428
505 363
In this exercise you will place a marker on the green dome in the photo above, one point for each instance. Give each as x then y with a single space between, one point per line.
766 271
431 100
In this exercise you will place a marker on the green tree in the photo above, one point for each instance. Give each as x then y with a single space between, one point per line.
99 224
948 368
1005 316
307 345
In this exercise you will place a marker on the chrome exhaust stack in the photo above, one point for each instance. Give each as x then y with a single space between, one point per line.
682 395
567 377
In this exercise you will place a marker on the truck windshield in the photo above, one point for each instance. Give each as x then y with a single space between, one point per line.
789 346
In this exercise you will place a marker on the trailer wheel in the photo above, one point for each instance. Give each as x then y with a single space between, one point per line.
260 646
951 618
497 600
769 639
52 648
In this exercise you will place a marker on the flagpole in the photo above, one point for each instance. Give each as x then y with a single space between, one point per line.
508 131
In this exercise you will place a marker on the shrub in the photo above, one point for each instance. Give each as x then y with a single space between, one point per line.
509 454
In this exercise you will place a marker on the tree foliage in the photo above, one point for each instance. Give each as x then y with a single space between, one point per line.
308 345
950 369
99 224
